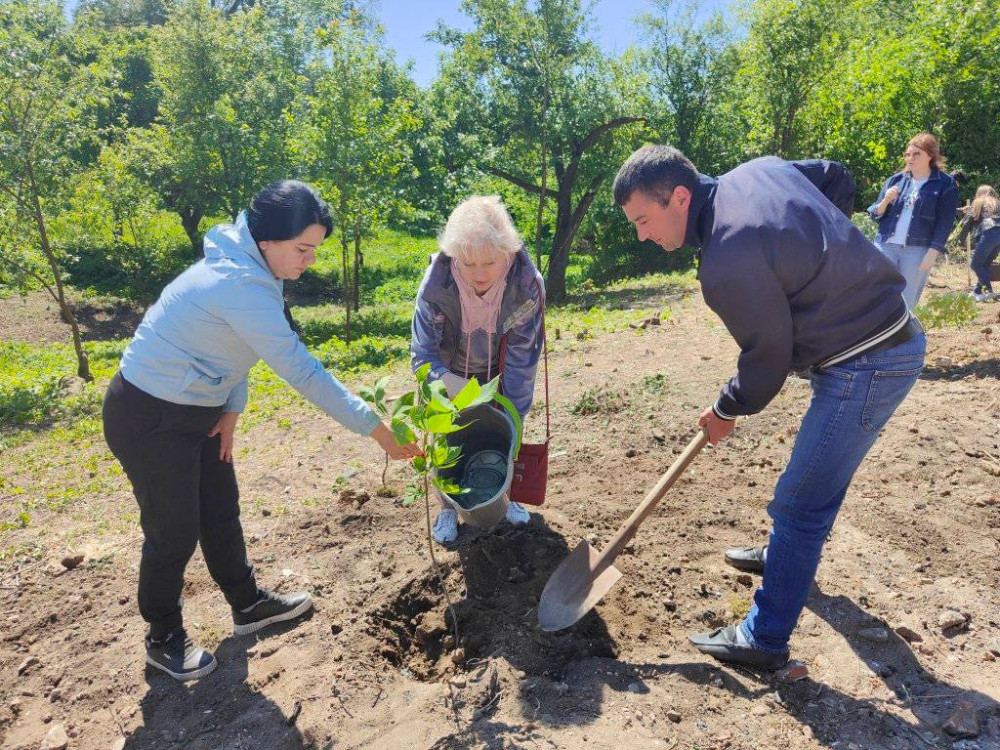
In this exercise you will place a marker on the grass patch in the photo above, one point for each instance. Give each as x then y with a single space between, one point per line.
600 400
952 309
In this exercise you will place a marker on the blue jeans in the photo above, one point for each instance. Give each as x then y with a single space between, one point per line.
987 249
851 402
907 260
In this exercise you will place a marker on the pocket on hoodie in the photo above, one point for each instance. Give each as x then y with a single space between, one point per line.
199 382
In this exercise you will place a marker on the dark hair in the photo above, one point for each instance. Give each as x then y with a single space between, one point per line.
284 210
960 177
656 171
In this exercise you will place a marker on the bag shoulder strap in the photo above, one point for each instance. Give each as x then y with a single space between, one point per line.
545 362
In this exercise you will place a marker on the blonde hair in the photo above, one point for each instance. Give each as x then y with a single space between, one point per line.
985 204
930 146
479 225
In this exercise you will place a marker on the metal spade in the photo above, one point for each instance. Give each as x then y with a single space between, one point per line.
583 578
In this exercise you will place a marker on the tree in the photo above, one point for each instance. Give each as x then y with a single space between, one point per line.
47 130
688 66
222 132
790 45
536 95
352 136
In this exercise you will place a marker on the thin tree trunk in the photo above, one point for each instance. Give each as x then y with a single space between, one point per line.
345 265
357 265
83 365
544 185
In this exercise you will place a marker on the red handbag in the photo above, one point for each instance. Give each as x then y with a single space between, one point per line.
531 466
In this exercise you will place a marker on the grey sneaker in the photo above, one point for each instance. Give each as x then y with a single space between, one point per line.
179 656
725 645
269 609
516 514
445 529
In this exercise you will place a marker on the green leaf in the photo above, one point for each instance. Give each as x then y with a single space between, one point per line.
403 402
486 393
442 424
380 388
468 394
422 372
402 432
420 463
367 394
448 487
508 407
441 404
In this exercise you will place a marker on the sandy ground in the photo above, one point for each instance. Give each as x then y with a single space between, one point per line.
376 666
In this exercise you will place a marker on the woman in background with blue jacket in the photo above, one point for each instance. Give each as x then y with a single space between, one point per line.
170 413
481 287
915 212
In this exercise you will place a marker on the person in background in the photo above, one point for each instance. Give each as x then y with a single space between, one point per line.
915 212
479 288
171 410
982 224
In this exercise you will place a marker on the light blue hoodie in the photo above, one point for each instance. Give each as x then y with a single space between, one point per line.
215 321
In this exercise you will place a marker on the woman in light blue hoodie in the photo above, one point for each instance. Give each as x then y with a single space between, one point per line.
170 413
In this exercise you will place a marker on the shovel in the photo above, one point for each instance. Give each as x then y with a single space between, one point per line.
583 578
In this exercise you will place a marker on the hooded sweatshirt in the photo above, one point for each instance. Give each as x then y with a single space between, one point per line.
215 321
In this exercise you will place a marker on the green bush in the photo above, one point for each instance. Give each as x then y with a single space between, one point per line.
864 222
954 309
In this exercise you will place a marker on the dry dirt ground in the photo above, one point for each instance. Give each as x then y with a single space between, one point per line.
376 667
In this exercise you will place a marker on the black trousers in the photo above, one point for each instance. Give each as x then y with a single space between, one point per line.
185 494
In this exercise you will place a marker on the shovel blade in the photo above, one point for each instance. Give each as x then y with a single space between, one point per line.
572 590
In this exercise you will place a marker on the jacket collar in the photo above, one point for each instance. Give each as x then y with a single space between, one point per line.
934 175
701 215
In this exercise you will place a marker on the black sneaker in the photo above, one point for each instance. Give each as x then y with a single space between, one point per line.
269 609
179 656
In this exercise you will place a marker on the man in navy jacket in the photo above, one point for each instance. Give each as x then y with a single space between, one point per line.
799 288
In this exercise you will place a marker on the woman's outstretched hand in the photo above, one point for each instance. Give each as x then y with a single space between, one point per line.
384 437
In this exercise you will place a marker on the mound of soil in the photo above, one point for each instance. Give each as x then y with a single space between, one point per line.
495 584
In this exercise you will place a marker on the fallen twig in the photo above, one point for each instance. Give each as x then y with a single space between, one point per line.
115 716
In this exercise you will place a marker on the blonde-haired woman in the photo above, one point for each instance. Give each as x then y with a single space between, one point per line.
480 288
983 222
915 212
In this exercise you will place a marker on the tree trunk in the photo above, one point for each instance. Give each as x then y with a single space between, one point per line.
555 281
568 219
190 219
345 269
82 363
356 293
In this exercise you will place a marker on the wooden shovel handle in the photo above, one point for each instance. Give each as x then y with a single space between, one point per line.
628 529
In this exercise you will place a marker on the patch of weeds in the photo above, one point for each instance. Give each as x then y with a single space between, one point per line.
22 521
953 309
18 554
600 400
655 384
739 605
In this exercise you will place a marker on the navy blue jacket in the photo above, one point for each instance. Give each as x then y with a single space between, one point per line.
933 212
793 280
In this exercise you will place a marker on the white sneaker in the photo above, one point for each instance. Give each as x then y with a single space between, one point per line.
445 529
978 297
517 515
